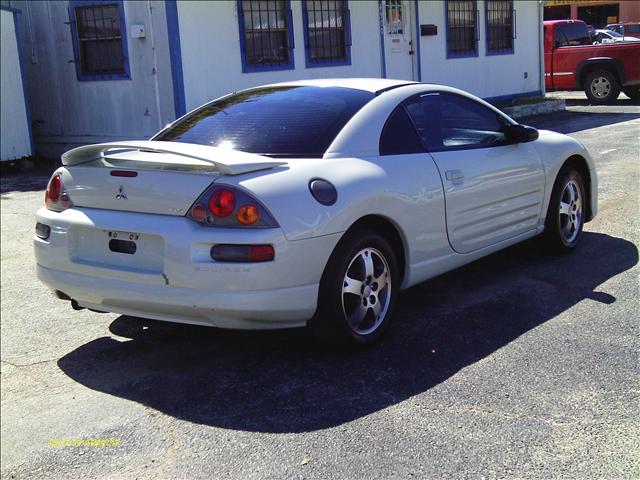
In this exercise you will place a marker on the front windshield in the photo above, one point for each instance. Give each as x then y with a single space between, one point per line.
614 34
281 121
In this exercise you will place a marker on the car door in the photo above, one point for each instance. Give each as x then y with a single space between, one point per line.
494 189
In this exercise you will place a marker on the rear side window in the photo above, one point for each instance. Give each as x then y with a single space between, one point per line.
572 34
399 135
632 29
284 121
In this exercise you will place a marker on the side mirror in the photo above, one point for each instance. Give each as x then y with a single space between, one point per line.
521 133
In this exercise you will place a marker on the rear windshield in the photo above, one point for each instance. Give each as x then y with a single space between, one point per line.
286 121
571 34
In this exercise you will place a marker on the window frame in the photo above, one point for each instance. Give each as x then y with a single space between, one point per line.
498 114
246 67
475 52
77 57
346 20
514 33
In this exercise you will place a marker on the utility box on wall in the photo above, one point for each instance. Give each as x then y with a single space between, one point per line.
428 30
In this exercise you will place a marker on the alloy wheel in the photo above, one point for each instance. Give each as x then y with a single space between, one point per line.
570 212
366 291
600 87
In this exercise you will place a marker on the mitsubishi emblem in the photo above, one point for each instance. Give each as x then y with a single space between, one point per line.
121 195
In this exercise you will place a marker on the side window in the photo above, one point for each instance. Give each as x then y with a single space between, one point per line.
447 121
266 35
99 40
399 135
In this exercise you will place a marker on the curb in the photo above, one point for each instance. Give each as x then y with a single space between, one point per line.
548 106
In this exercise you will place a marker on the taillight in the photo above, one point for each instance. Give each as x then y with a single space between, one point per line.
56 197
222 202
242 253
226 206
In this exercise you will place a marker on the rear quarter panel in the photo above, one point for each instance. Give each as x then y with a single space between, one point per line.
404 189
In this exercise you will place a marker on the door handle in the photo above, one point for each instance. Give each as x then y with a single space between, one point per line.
454 175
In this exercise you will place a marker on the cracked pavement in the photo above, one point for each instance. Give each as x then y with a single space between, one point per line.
522 364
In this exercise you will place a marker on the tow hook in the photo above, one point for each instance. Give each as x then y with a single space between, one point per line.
75 305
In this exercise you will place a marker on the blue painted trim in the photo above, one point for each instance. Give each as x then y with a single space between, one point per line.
446 19
383 61
126 75
507 98
507 51
418 39
346 19
175 56
10 9
246 68
25 90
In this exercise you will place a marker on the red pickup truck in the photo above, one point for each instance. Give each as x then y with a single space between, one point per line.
572 62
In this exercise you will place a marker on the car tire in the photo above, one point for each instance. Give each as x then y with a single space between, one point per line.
601 87
633 93
566 212
357 293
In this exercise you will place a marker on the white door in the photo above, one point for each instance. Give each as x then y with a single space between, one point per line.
494 189
398 18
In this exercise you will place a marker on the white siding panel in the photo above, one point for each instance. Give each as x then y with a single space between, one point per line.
15 141
66 111
484 75
210 43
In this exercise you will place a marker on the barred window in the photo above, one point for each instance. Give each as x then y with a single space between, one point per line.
266 35
327 32
500 23
462 28
99 43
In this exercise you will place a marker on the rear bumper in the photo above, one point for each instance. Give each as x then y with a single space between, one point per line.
264 309
185 284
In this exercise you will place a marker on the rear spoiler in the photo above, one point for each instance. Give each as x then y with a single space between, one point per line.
227 162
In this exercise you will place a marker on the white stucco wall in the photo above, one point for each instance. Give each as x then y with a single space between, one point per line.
484 75
210 43
67 112
15 141
212 65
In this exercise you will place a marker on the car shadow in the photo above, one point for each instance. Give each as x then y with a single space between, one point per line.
570 121
281 382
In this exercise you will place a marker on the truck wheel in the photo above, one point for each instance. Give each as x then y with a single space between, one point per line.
601 87
632 92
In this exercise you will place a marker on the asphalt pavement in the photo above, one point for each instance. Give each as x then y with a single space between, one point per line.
522 364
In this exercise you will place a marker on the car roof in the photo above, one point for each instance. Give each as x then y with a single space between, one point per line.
372 85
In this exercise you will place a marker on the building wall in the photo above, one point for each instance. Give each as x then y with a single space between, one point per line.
15 141
67 112
629 9
210 44
212 65
487 76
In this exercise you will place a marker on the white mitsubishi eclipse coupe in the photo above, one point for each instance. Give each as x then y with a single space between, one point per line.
310 203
